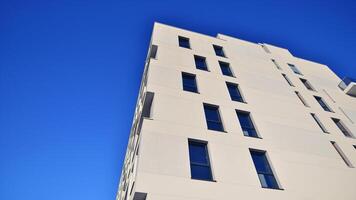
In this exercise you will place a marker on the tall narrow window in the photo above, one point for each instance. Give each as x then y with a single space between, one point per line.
301 99
307 84
212 116
225 68
200 63
234 92
319 123
322 103
189 82
199 161
184 42
342 155
342 127
287 79
276 64
264 170
294 69
246 124
219 50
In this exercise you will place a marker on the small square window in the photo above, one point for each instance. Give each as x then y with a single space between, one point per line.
184 42
219 51
200 63
225 69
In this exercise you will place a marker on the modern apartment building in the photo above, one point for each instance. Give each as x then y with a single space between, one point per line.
222 118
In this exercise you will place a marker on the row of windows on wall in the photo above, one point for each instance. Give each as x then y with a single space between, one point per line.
200 165
323 104
185 43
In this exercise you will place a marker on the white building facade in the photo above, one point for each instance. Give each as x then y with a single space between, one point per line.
222 118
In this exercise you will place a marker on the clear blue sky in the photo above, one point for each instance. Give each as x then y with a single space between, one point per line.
70 73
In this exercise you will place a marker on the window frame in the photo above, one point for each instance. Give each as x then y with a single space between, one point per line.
342 154
206 68
294 69
207 157
304 102
276 64
270 166
251 120
227 65
180 38
307 84
343 128
238 90
185 74
323 104
219 48
288 80
317 120
213 121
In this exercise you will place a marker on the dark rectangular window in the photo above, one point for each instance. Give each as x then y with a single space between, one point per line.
183 42
200 63
301 99
199 161
319 123
219 51
225 68
234 92
294 69
322 103
342 155
287 79
264 170
276 64
213 118
307 84
342 127
246 124
153 51
354 146
189 82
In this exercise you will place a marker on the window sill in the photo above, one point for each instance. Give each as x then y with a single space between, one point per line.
273 188
207 180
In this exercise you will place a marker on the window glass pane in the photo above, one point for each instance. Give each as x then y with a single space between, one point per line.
322 103
225 68
219 51
268 181
294 69
200 172
307 84
213 119
234 92
199 161
261 163
197 153
183 42
189 82
247 126
342 128
263 169
200 63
